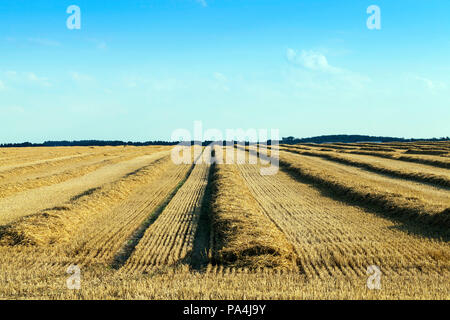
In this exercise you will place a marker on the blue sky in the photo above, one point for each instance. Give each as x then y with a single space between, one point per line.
139 69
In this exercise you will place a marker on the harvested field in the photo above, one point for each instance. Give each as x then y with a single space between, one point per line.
140 226
335 239
396 197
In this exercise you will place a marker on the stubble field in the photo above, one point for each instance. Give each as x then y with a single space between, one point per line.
140 226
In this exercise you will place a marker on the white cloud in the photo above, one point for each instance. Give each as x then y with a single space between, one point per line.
102 45
202 2
2 85
430 84
311 60
133 81
99 44
81 78
219 76
317 73
23 78
32 77
222 81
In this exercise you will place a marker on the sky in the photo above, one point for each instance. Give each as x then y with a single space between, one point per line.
140 69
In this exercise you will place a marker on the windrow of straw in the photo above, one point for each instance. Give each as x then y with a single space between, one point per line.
432 162
242 235
427 151
403 173
422 159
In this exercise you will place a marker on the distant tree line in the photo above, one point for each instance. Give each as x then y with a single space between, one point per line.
100 143
85 143
285 140
352 139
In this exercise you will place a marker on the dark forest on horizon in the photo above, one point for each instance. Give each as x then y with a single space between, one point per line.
342 138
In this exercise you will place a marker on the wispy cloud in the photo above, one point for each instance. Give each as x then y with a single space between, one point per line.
32 77
221 81
220 76
8 110
132 81
24 78
81 78
44 42
311 60
202 2
316 73
102 45
2 85
430 84
99 44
